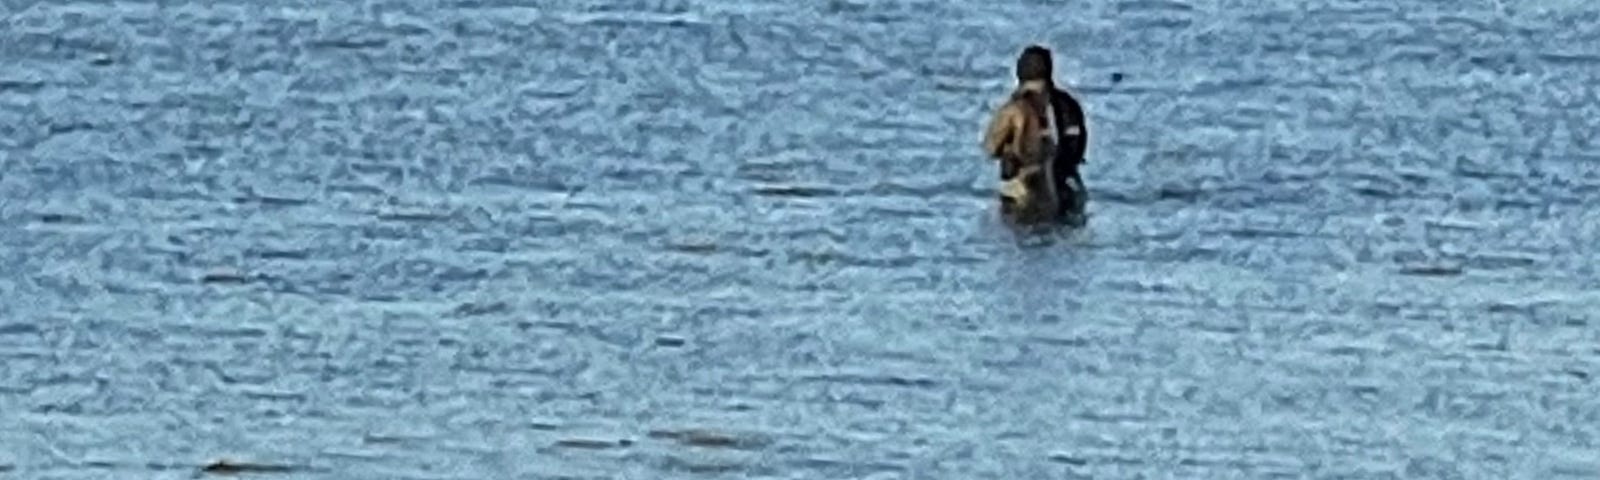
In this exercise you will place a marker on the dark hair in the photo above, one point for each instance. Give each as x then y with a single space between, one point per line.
1034 64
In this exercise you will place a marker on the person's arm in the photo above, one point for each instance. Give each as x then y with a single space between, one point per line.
1074 131
1001 129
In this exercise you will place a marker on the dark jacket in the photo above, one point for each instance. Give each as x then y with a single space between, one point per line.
1069 153
1001 137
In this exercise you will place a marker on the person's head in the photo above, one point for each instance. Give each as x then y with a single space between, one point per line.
1034 64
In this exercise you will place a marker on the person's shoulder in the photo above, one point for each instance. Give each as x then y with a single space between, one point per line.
1013 105
1025 100
1065 98
1064 93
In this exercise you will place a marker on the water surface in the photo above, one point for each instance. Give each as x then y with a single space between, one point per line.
631 239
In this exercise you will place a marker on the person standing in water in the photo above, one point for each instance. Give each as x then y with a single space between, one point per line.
1041 123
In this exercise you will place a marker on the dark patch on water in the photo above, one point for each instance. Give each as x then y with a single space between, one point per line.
267 254
881 380
62 219
701 248
797 191
1184 194
229 467
270 201
21 86
1432 270
1262 234
471 309
415 217
356 189
1579 59
593 444
349 43
19 329
710 439
225 277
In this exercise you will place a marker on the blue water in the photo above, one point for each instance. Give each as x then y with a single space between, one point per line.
663 239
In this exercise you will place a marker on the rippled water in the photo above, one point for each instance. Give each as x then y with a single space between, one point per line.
658 239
